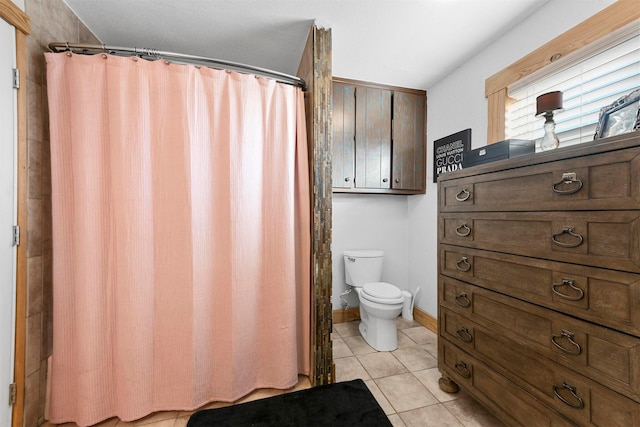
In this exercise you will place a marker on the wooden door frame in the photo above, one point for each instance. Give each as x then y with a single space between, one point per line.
16 17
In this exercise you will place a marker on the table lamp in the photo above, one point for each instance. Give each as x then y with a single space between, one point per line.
546 104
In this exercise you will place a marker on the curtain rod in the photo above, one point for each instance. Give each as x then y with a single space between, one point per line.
154 54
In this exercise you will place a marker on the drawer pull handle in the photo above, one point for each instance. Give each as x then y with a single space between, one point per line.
463 230
462 300
567 178
569 336
569 283
462 369
578 402
572 233
464 335
463 195
463 264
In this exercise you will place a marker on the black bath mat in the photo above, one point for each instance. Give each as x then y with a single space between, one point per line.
347 404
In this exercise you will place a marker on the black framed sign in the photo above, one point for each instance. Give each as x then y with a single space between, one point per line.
448 152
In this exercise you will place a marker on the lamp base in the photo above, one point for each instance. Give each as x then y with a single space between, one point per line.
550 139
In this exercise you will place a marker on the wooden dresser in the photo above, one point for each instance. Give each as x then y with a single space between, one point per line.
539 285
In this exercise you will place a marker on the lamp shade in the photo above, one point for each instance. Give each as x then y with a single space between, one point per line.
549 102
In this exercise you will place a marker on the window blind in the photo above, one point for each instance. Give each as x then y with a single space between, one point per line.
590 80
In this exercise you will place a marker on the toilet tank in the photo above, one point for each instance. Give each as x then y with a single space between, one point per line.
362 266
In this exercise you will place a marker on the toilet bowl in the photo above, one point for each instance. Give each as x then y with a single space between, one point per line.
380 302
380 305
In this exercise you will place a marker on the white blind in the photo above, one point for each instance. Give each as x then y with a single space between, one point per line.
587 83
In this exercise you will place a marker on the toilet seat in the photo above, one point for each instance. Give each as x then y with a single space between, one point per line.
382 293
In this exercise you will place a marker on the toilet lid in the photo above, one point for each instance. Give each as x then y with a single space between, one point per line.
382 292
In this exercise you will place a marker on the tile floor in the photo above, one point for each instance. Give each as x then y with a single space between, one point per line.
404 381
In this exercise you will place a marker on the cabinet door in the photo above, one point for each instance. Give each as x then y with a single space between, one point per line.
344 114
408 141
373 138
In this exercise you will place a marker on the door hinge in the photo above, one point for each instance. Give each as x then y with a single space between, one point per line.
16 78
12 394
16 235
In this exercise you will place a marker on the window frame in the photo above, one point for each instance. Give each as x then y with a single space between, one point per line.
610 19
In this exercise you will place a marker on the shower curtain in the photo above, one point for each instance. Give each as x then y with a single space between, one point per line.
181 236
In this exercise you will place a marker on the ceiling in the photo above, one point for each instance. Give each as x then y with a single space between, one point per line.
410 43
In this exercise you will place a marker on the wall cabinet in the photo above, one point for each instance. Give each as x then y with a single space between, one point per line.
378 138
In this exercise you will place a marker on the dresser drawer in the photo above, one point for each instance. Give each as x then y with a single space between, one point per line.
607 297
607 356
607 181
601 239
512 404
576 397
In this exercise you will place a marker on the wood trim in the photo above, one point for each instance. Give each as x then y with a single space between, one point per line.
18 19
348 315
599 25
425 320
378 191
379 86
496 129
315 69
21 263
323 199
15 16
305 71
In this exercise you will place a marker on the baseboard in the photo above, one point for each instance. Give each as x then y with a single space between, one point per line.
342 316
425 320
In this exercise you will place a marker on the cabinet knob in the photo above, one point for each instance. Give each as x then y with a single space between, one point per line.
575 402
397 180
568 336
567 179
385 179
463 264
463 370
579 293
577 238
463 195
347 179
463 300
463 230
464 335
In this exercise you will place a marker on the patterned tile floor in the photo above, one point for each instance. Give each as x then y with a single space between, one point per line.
404 381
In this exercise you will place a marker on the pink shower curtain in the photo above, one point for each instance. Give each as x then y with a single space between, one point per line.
181 236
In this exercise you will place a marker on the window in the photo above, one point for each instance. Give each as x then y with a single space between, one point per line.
600 26
590 79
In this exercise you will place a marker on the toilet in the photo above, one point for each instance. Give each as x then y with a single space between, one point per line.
380 302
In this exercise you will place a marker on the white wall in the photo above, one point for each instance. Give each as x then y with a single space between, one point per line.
363 221
456 103
19 3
